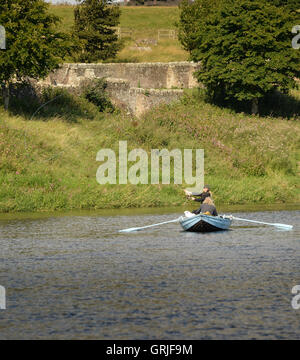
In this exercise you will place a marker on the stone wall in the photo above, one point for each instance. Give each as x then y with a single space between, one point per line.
136 86
144 75
139 100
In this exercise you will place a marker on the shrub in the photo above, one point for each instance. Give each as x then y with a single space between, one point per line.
95 93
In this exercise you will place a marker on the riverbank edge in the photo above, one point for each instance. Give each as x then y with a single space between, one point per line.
222 208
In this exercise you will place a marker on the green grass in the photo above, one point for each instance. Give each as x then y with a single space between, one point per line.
49 163
144 21
66 14
145 17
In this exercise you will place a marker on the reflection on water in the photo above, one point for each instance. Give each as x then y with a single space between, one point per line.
74 277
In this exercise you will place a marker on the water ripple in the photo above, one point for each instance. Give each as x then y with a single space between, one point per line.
77 277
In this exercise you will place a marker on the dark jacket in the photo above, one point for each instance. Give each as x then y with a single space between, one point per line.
206 208
201 196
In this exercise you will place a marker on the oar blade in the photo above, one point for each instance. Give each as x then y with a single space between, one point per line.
148 226
281 226
129 230
284 226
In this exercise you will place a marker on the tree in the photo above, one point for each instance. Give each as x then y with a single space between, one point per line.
94 27
33 46
245 51
292 5
193 16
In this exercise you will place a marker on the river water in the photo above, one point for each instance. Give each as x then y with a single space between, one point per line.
76 277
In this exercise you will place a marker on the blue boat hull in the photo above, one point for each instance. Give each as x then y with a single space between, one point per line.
205 223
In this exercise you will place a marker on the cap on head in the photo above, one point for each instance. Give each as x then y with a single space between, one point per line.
207 187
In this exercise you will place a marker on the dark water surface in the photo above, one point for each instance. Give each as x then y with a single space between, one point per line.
76 277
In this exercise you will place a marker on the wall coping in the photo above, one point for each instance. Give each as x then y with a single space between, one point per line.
156 91
84 65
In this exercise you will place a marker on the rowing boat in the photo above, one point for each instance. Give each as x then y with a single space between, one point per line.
204 223
207 223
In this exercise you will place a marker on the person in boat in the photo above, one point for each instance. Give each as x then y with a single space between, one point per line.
207 208
196 196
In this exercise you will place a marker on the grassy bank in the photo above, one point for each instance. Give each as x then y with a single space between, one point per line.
144 22
49 163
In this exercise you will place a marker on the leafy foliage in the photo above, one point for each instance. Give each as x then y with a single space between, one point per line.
192 19
33 46
94 92
244 47
94 28
292 5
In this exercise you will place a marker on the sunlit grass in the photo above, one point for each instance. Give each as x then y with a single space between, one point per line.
49 162
164 51
144 22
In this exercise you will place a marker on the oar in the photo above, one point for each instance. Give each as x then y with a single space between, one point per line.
283 226
147 226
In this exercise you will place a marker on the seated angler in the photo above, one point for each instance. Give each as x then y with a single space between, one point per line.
199 196
207 208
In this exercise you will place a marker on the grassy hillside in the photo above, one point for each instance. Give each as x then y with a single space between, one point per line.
144 21
49 162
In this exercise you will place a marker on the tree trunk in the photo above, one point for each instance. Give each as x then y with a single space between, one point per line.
254 109
6 95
